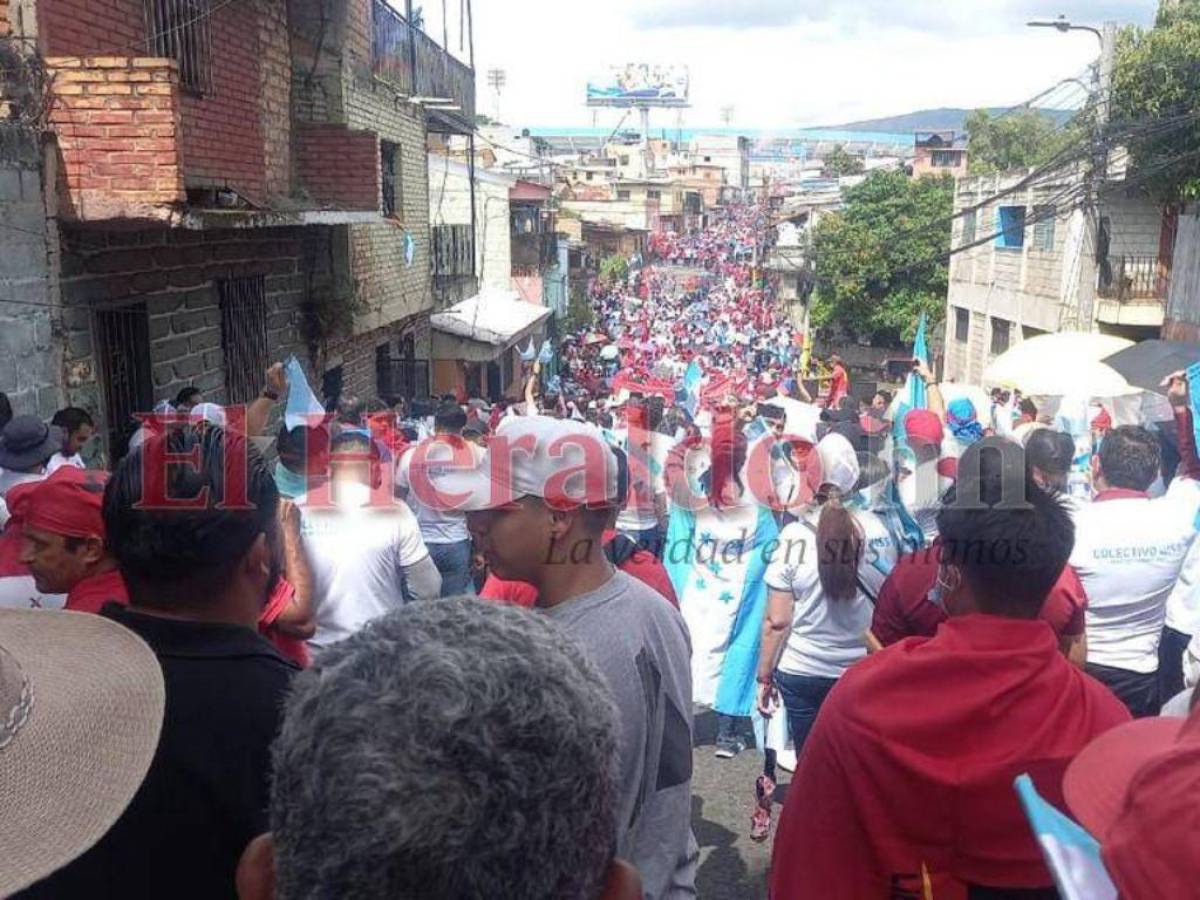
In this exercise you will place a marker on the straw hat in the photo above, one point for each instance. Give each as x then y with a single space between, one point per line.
81 707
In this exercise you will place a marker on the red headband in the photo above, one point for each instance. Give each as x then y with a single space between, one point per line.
68 503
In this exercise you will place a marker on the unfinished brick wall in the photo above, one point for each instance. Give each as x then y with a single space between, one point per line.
92 28
174 272
238 136
117 120
223 142
356 356
337 167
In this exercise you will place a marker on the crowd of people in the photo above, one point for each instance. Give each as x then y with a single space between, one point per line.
455 649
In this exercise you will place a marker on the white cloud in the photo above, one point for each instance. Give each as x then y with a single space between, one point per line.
784 63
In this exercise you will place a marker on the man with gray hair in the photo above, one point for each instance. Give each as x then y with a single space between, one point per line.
448 750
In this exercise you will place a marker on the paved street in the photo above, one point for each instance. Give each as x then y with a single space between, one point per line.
732 867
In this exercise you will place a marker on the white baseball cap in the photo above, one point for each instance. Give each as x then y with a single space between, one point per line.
837 464
563 461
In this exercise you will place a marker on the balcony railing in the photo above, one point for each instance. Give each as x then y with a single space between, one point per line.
1134 278
453 251
418 66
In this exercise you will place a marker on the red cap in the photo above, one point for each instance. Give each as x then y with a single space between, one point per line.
1137 789
923 426
68 503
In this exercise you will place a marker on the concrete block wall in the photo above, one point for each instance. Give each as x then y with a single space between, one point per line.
174 273
116 119
29 348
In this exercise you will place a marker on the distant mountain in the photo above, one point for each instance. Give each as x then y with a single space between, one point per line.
945 119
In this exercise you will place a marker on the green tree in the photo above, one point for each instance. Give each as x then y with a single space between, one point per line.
1156 103
881 261
613 269
840 162
1020 140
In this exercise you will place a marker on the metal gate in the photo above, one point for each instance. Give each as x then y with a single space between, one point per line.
123 351
244 335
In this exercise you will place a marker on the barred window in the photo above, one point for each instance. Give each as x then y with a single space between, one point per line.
244 335
180 30
390 157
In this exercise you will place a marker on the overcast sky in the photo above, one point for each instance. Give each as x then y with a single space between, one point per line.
782 63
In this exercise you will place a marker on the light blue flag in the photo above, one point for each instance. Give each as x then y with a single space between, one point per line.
303 407
914 388
1193 378
529 354
691 387
546 355
1072 855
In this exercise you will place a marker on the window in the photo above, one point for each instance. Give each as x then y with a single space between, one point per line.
243 304
622 195
591 176
1028 331
708 159
1010 223
1043 228
962 325
389 166
123 355
654 195
968 232
945 159
179 30
624 160
331 386
1001 329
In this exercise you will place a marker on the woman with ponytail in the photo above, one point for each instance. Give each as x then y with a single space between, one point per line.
823 581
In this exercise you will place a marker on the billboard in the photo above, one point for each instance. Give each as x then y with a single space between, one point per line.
639 84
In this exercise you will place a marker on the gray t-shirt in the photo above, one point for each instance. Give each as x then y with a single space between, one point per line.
640 643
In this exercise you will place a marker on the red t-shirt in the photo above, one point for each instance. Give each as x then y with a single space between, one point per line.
839 386
905 610
91 594
642 565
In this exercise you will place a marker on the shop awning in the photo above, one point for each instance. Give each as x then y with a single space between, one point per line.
483 326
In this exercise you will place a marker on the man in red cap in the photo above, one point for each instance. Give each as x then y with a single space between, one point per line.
1137 790
64 543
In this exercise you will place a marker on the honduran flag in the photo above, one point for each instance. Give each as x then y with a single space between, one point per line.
1072 855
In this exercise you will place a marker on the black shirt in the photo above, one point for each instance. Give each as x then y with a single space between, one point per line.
205 795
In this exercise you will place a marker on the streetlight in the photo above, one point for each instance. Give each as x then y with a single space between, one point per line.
1063 24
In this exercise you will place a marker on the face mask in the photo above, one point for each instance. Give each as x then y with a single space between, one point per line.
941 589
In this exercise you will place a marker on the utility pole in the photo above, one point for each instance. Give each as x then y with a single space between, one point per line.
1097 172
497 79
1089 264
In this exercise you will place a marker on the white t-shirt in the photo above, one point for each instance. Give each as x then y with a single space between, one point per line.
1128 554
20 592
58 460
437 526
357 554
646 481
1183 604
827 636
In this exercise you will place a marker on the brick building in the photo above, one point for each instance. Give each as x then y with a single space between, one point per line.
223 185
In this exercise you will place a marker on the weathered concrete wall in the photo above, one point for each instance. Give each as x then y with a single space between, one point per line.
174 272
28 356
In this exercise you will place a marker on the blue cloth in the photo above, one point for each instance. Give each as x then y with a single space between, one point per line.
303 407
691 387
546 355
962 421
289 484
1072 855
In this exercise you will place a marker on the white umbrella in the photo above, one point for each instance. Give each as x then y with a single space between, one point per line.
802 418
610 352
1053 365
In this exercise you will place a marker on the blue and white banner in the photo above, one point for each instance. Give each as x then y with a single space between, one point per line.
1072 855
